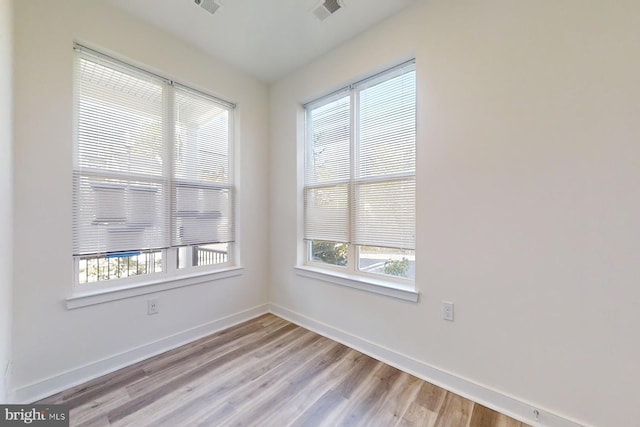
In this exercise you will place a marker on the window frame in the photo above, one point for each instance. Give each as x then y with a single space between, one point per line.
352 269
351 274
171 274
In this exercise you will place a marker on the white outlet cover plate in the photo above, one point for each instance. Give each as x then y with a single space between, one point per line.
152 306
447 310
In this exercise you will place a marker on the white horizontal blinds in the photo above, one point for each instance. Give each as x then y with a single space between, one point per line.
385 146
120 188
203 203
327 169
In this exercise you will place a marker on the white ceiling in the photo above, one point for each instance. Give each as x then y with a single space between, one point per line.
265 38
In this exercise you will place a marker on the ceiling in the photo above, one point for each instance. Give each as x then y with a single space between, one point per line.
265 38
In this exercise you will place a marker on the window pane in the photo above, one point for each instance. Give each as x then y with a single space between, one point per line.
119 187
328 141
384 213
387 127
387 261
202 132
203 213
113 215
384 190
203 204
333 253
359 182
152 170
100 268
326 213
119 119
193 256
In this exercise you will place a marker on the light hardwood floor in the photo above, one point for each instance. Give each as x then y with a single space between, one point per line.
269 372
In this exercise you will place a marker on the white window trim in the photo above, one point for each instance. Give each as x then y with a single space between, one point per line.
171 277
98 296
364 283
352 269
350 275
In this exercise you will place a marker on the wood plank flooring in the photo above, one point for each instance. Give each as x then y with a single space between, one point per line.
269 372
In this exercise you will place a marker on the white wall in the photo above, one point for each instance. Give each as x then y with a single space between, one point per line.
6 195
50 340
528 199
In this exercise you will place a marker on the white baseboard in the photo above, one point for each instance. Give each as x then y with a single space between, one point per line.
486 396
65 380
483 395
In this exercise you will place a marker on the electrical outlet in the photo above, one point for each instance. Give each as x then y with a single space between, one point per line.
152 306
447 310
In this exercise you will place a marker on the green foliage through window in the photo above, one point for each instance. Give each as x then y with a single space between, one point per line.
329 252
397 267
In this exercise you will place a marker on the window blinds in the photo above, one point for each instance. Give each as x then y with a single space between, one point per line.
119 183
152 161
328 170
202 208
384 184
360 163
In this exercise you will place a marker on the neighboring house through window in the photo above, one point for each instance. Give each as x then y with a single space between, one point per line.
152 180
359 182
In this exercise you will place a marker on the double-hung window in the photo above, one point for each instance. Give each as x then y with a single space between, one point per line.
152 175
359 183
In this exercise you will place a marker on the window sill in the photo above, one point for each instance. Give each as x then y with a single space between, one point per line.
381 287
93 297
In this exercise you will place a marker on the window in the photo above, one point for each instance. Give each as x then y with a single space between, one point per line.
359 184
152 181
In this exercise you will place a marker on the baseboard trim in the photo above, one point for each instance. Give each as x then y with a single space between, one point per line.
65 380
486 396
